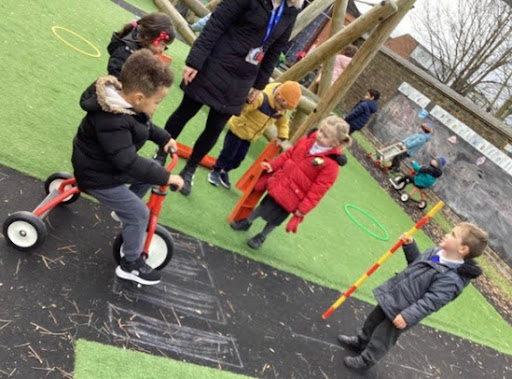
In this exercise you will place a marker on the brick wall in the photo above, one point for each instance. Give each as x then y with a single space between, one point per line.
388 70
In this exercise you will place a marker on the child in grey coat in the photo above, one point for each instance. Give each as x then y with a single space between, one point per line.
430 281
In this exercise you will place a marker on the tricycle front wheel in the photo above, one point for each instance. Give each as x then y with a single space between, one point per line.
160 251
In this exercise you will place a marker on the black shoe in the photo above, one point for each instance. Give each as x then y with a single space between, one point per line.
256 241
188 180
224 180
138 271
351 342
214 177
356 363
243 224
160 157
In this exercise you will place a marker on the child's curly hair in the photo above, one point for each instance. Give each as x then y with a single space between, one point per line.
341 127
143 71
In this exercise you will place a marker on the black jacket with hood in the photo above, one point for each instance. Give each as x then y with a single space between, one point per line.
224 77
108 138
120 49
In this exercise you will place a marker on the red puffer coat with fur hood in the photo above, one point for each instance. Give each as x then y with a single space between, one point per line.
300 180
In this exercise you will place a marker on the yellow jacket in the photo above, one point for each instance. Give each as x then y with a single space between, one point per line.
258 116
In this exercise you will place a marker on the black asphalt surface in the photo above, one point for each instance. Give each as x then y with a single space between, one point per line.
214 308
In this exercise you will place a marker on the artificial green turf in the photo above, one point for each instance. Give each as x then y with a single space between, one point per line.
42 82
94 360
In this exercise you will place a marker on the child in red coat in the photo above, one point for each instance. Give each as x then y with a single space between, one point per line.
299 178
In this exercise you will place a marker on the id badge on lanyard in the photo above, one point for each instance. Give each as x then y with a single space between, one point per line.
256 54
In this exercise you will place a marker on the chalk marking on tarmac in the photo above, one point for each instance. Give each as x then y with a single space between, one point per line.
314 339
170 296
188 267
410 368
183 340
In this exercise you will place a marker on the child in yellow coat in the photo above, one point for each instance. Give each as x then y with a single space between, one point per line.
270 107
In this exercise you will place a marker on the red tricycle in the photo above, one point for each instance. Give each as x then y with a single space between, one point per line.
404 197
27 230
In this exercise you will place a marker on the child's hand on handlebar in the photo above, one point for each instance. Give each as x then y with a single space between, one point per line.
266 167
171 146
176 181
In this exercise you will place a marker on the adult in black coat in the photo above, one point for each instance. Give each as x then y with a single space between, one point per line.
217 73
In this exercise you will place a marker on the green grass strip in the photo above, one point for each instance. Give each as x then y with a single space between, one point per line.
94 360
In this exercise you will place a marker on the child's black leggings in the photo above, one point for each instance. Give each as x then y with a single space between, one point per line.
267 228
214 125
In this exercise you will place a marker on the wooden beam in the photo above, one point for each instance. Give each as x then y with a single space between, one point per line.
309 14
212 5
197 7
180 24
337 23
363 57
341 40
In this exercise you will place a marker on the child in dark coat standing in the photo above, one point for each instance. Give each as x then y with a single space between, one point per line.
299 178
361 113
429 282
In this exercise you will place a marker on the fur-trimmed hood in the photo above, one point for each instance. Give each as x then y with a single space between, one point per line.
100 98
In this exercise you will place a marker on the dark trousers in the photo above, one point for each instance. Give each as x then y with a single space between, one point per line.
377 336
406 178
233 152
133 213
395 163
214 125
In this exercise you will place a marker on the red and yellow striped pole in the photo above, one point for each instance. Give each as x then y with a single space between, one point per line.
382 259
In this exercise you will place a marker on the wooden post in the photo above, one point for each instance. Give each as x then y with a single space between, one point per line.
355 67
212 5
341 40
338 18
309 14
177 19
197 7
298 119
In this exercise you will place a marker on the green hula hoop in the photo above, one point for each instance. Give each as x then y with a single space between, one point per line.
386 235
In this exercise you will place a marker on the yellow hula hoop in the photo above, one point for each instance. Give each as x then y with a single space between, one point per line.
96 55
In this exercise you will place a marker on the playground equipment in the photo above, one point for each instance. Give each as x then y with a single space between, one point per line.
26 230
382 259
246 183
404 197
383 157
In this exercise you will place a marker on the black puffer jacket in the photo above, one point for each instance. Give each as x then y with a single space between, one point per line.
423 287
120 49
108 138
224 77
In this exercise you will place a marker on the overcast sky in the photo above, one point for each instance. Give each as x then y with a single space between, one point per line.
407 24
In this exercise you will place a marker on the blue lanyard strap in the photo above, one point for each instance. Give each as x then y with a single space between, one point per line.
274 19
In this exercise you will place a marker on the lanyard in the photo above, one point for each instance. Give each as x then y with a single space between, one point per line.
274 19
